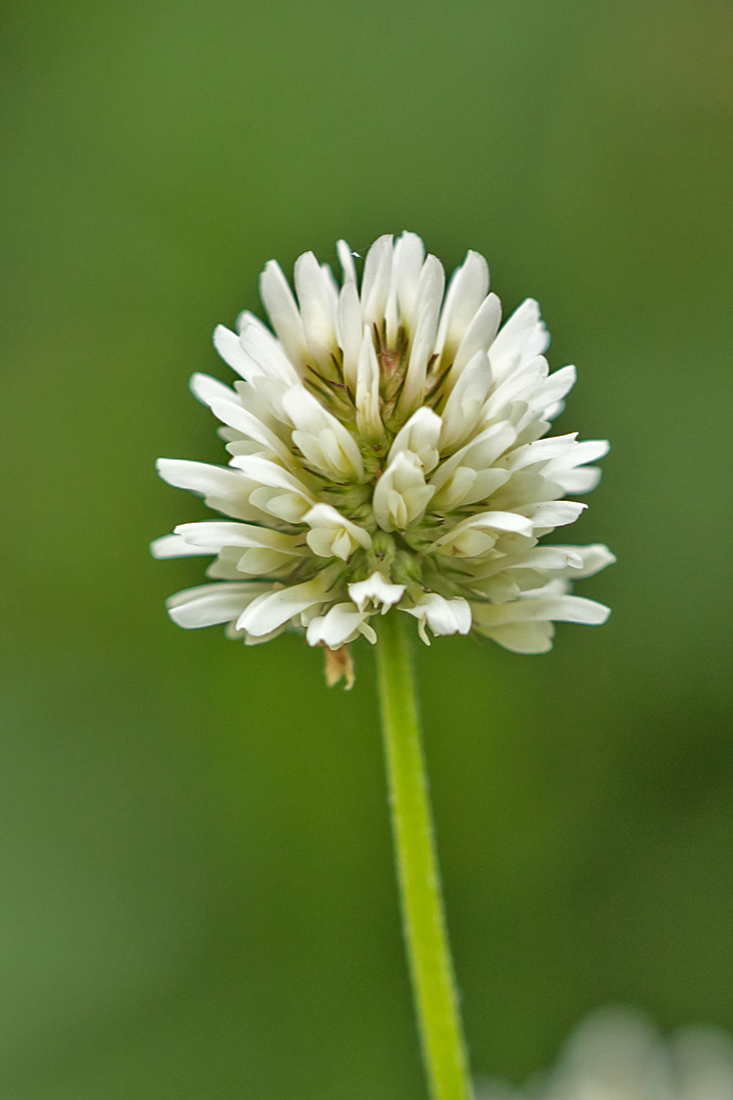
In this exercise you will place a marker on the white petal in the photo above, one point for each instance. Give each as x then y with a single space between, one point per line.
283 312
578 481
288 507
569 609
267 473
407 262
174 546
566 560
332 289
368 417
523 637
554 388
326 543
463 407
487 447
377 592
467 486
429 294
262 347
226 566
207 389
553 411
552 513
459 539
401 495
442 616
523 337
501 521
484 485
249 640
259 561
346 260
479 335
341 624
409 256
376 280
315 308
467 289
334 535
268 612
593 558
322 438
262 398
576 609
350 332
223 489
210 604
519 385
430 287
587 451
555 586
324 515
481 453
541 450
229 348
227 407
222 533
420 435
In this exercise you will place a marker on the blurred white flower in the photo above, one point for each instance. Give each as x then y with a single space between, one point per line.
387 450
616 1054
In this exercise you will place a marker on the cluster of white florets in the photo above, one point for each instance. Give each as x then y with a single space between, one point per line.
617 1054
387 455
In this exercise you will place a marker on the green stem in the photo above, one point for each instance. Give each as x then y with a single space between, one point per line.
423 917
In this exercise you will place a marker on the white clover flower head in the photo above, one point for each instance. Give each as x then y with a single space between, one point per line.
389 453
616 1053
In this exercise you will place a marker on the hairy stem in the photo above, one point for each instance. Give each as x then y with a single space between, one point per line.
421 898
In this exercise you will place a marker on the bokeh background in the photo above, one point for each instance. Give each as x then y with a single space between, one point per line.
197 897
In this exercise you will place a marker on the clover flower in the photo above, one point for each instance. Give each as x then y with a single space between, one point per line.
617 1054
389 451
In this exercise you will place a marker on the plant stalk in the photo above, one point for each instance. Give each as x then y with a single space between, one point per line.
421 897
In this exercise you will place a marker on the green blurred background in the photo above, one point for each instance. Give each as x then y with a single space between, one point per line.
197 895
